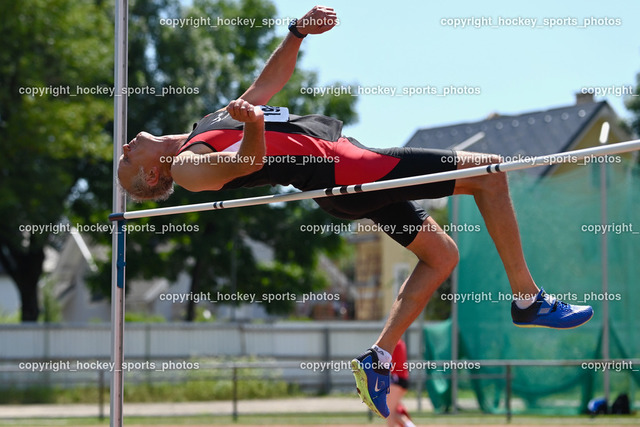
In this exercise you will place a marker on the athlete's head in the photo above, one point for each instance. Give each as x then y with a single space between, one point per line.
141 171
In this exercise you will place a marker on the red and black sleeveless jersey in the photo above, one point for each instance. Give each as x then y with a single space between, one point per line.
308 152
399 359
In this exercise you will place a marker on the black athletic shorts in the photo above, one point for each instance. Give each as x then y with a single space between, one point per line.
394 209
402 382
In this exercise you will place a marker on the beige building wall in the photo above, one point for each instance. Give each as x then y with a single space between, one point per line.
382 265
367 274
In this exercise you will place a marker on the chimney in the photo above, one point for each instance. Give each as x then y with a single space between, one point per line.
584 98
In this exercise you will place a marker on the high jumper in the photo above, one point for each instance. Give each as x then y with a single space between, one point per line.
245 145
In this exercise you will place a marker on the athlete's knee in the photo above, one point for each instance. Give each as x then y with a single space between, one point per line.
451 259
442 256
446 261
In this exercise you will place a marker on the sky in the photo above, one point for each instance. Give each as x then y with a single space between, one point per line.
500 61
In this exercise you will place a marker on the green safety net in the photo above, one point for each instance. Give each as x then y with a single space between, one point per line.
558 216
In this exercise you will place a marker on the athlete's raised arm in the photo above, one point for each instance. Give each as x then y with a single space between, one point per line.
281 64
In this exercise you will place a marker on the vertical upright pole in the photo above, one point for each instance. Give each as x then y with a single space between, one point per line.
455 351
454 311
234 394
508 393
118 238
101 394
117 325
604 138
326 338
234 275
421 353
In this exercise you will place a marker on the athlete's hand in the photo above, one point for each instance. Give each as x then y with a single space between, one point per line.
243 111
317 20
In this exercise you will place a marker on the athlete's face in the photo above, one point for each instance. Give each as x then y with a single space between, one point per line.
143 150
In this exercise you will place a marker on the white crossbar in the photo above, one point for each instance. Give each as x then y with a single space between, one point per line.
522 163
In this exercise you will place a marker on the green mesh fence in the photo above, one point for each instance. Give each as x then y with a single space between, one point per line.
558 217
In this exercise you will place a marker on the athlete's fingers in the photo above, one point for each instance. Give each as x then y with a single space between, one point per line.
318 20
244 111
254 113
251 112
234 107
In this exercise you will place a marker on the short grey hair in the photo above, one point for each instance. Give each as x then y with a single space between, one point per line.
140 191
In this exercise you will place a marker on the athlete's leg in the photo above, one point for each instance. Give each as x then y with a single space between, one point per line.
437 257
491 193
531 307
393 399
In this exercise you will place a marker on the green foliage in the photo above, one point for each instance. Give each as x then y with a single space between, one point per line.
204 390
131 316
6 318
199 385
47 136
184 391
204 315
51 308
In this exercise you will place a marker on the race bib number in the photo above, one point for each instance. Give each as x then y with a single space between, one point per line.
275 114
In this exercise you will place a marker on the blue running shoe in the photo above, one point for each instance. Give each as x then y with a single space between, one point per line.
372 382
549 312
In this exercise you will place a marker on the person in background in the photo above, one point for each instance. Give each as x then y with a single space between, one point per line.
398 415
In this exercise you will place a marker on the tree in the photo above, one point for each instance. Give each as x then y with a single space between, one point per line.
205 68
47 135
